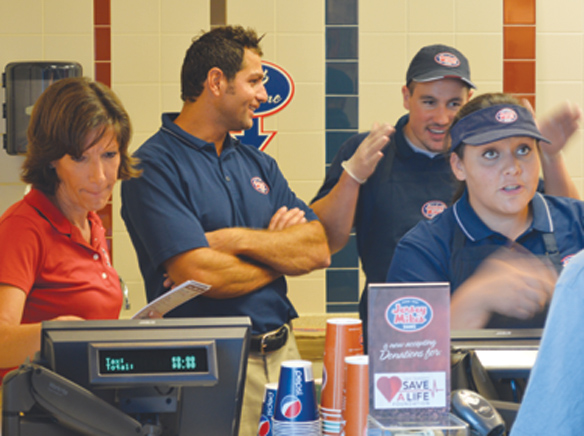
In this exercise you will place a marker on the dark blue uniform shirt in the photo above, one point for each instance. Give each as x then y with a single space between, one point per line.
185 190
406 187
430 253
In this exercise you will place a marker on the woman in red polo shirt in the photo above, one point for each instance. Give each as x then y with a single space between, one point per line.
54 261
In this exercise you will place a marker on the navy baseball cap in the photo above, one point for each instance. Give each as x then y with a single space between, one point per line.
438 61
492 124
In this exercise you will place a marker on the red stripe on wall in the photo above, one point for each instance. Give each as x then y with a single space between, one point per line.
103 74
519 48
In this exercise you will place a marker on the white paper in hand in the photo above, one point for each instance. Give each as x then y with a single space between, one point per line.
173 298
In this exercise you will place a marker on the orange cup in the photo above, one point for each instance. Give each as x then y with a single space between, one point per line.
344 337
356 403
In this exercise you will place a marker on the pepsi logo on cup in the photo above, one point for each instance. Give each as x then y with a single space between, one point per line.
290 407
265 427
269 401
268 405
296 396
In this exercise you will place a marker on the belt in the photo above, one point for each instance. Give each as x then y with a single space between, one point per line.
270 341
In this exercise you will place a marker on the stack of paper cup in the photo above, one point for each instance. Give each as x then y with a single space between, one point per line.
268 407
296 412
344 337
356 402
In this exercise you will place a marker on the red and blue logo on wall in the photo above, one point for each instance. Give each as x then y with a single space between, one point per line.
280 89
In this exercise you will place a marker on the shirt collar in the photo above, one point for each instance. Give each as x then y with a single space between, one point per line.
169 126
542 217
427 153
469 222
475 229
45 207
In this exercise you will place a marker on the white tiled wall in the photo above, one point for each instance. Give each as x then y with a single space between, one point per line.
149 39
560 68
33 30
392 32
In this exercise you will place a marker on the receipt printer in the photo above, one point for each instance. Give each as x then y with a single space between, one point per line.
24 83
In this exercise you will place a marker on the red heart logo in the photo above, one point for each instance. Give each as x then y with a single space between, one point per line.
389 386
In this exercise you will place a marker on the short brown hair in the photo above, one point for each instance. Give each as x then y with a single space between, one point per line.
222 47
63 118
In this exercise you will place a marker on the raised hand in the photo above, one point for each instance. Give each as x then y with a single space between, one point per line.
365 159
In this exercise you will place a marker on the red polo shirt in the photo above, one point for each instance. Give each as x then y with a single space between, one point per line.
43 254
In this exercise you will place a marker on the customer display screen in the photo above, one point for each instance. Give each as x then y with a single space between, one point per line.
153 360
169 374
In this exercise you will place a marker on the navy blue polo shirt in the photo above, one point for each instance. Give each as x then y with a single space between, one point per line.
404 189
407 187
185 190
427 253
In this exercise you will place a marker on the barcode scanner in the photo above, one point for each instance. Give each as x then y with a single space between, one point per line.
482 417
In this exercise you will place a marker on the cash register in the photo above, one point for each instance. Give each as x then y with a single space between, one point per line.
166 377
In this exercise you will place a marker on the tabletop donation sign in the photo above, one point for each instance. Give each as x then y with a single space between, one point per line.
409 353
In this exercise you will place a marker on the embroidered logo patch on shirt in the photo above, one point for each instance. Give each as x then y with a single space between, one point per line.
566 260
447 59
259 185
432 208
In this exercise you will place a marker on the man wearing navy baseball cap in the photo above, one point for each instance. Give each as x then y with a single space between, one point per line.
502 243
385 181
438 61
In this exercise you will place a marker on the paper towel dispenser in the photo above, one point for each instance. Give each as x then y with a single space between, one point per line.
24 83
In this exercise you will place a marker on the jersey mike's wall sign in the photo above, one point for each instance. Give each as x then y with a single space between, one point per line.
280 90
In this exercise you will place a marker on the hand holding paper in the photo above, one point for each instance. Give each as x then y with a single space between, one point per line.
172 299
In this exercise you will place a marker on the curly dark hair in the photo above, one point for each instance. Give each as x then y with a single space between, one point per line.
222 47
66 114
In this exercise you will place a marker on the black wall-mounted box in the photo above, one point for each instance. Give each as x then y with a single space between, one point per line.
24 83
